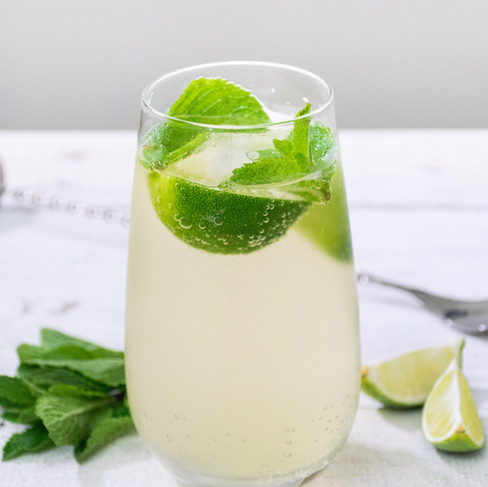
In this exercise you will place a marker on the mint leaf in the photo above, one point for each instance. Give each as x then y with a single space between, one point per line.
99 365
14 393
296 146
107 427
68 413
31 440
51 339
322 143
211 101
313 190
287 162
305 156
25 415
265 170
64 388
47 376
218 102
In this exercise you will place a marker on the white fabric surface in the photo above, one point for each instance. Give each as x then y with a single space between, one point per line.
419 204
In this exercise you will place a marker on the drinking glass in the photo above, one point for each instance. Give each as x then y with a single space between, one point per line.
242 338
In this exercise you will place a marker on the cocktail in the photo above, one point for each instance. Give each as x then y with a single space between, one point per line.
242 341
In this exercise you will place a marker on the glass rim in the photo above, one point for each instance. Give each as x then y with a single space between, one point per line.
146 92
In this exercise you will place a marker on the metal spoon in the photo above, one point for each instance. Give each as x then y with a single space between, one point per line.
46 200
466 316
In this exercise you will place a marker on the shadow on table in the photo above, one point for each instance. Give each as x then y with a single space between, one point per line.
468 459
361 464
480 396
12 218
388 297
406 419
119 460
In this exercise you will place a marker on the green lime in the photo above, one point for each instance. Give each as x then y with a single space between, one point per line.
218 221
327 225
406 381
450 420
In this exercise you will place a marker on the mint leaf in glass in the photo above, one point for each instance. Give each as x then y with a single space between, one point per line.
210 101
305 156
322 143
32 440
217 101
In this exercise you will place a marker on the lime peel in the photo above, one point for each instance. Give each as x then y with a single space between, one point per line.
450 420
220 222
405 381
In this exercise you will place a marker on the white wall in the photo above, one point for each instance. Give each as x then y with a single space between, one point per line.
403 63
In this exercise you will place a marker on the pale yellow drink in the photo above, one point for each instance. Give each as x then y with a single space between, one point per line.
241 367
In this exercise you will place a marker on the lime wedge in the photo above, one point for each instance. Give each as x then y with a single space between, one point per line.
327 226
450 420
406 381
218 221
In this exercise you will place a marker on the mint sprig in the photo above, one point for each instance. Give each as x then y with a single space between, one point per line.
305 156
70 392
32 440
211 101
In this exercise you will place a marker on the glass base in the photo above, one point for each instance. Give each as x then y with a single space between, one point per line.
234 483
191 479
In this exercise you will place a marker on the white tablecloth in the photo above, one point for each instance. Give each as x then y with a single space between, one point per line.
419 214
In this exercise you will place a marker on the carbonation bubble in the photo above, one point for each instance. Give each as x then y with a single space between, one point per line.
184 223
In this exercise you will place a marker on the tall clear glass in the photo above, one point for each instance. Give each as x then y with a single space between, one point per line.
242 339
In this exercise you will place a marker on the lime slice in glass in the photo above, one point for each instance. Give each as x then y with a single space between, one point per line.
406 381
219 221
327 225
450 420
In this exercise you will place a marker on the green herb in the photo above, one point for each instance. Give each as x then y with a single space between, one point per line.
211 101
71 392
95 364
108 426
46 376
31 440
305 155
14 393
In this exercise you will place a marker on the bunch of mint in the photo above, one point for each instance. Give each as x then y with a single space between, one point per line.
69 392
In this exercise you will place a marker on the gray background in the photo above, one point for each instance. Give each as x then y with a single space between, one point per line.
67 64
